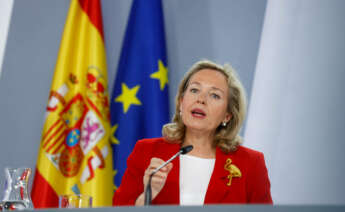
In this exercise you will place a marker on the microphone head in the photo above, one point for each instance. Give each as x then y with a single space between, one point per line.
186 149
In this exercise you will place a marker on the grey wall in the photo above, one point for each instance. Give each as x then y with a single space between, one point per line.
221 30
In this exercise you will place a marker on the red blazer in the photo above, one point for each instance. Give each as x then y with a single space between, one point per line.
252 187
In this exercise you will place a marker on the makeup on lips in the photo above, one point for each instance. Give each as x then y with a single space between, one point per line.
198 113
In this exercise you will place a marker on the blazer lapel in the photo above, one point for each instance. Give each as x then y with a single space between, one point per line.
217 188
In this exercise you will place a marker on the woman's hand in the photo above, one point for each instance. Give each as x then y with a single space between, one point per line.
158 179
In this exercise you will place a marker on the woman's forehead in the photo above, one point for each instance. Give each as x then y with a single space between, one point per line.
209 76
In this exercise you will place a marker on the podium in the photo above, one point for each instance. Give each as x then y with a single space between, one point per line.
212 208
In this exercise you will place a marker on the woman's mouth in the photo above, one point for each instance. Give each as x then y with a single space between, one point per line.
198 113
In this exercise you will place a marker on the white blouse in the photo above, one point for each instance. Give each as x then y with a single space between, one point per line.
195 174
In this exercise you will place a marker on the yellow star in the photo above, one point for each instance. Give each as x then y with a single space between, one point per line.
113 138
161 75
128 97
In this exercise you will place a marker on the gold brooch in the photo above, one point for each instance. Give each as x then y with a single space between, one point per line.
233 170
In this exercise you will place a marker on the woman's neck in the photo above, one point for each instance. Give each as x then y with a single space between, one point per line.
202 144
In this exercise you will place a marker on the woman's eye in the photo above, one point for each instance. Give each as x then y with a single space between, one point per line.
193 90
215 96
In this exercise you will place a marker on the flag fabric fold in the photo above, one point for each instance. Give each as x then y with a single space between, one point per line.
139 102
75 155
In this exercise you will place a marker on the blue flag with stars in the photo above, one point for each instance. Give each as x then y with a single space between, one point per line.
140 103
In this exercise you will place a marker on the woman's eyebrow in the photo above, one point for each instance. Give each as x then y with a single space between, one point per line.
194 83
213 88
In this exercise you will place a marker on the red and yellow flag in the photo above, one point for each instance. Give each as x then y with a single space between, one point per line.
75 155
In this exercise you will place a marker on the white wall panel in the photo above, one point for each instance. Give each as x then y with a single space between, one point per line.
5 17
297 113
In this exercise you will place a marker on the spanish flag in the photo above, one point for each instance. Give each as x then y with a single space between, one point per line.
75 155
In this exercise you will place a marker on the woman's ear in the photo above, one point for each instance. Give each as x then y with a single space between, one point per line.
180 103
228 117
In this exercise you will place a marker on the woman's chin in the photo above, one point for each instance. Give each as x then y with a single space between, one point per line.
199 128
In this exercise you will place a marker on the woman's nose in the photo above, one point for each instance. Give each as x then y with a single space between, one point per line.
201 99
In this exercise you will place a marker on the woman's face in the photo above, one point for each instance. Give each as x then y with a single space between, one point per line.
204 103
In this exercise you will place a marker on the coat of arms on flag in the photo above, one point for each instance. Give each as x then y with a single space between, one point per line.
75 155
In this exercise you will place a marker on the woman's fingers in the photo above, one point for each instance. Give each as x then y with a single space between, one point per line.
169 167
157 162
158 174
159 178
157 181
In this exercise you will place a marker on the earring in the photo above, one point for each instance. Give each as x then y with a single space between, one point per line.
224 124
181 113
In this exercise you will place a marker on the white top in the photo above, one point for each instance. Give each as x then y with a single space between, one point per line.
195 174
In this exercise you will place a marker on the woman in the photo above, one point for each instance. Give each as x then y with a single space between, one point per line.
210 109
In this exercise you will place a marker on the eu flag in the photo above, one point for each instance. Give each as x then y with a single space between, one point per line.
139 104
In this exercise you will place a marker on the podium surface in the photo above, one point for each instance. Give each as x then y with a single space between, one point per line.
211 208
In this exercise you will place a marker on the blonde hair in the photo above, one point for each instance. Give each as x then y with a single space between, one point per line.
227 137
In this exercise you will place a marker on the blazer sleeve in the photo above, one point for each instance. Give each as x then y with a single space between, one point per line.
132 181
259 187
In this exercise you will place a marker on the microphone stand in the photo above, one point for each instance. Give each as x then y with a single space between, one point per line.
148 191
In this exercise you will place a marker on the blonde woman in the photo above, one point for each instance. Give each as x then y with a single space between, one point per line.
210 110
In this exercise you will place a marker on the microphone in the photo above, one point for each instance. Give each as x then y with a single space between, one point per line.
148 192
